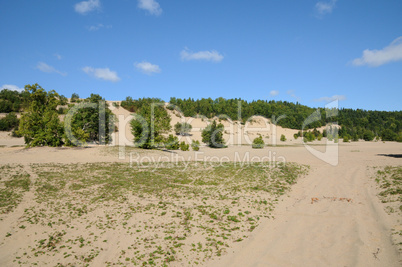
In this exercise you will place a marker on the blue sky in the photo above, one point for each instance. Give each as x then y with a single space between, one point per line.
308 51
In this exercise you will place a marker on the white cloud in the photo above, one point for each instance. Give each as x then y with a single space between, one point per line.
11 87
151 6
147 67
98 27
331 98
58 56
274 93
95 27
104 74
375 58
87 6
42 66
201 55
325 7
292 94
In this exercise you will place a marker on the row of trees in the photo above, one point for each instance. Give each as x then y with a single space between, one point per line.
40 124
12 101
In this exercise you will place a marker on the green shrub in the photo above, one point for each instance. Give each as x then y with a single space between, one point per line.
195 145
182 128
283 138
258 142
368 135
9 122
172 142
184 146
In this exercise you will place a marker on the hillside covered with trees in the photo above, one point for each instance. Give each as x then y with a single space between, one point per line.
355 124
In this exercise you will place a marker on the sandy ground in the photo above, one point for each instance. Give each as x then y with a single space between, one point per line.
332 217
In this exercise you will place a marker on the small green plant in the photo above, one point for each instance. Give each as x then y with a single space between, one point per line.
283 138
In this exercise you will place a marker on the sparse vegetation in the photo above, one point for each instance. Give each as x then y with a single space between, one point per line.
389 181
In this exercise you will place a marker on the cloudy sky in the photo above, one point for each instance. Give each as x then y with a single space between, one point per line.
308 51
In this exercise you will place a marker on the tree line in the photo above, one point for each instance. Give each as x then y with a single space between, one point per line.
40 123
355 123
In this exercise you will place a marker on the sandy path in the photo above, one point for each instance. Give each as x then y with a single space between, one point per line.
329 232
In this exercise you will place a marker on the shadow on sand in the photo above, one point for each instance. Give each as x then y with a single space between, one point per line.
391 155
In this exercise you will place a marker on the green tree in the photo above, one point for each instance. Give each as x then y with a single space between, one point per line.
182 128
63 100
213 135
74 98
150 122
91 121
258 142
40 124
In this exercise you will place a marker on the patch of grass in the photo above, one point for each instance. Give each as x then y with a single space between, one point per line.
14 183
389 181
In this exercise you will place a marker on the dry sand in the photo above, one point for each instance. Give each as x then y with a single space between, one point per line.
332 217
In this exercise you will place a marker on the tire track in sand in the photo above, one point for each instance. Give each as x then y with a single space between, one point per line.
343 226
